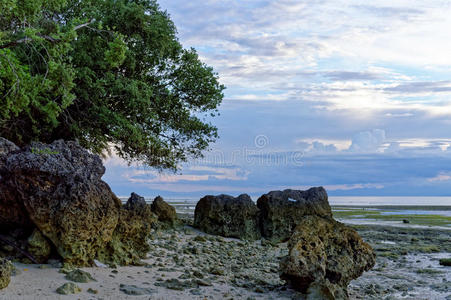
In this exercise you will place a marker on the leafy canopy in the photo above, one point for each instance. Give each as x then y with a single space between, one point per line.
109 73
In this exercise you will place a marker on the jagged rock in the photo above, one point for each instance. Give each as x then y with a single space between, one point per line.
6 268
7 146
68 289
38 246
129 243
327 253
228 216
281 211
135 202
78 275
57 189
165 212
61 189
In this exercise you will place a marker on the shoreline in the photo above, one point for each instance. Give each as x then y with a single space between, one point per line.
188 264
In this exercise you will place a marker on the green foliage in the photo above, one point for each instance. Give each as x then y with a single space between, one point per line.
109 73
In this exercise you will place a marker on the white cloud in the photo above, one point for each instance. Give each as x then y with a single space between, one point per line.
191 173
368 141
440 177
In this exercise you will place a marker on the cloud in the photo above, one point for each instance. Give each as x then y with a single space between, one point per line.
368 141
348 75
421 87
316 77
191 174
440 177
320 147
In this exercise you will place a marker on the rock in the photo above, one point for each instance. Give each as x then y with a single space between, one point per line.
228 216
281 211
39 246
178 285
6 268
92 291
134 290
200 238
135 202
129 243
405 221
60 187
7 146
445 262
324 290
57 190
12 212
165 212
326 252
217 271
68 289
81 276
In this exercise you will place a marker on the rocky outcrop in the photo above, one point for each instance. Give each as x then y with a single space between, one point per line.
166 213
129 242
281 211
60 187
57 190
228 216
324 256
6 268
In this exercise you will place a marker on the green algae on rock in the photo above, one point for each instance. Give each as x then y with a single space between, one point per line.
68 288
78 275
39 246
327 252
59 195
6 268
129 242
445 262
166 213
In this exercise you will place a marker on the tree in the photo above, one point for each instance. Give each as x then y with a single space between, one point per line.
109 73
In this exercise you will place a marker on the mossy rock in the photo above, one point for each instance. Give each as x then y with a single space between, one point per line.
68 288
445 262
129 243
6 268
39 246
166 213
78 275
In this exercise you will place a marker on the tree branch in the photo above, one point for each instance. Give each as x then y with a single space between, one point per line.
84 25
46 37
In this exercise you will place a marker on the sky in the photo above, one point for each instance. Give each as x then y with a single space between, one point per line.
351 95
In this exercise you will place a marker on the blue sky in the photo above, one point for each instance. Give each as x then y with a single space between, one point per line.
351 95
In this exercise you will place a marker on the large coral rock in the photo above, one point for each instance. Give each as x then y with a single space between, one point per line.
129 243
56 192
165 212
325 255
228 216
281 211
6 268
61 189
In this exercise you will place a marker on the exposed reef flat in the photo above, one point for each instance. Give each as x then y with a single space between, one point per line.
187 264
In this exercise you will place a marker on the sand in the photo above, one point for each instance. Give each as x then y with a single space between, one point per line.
407 268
